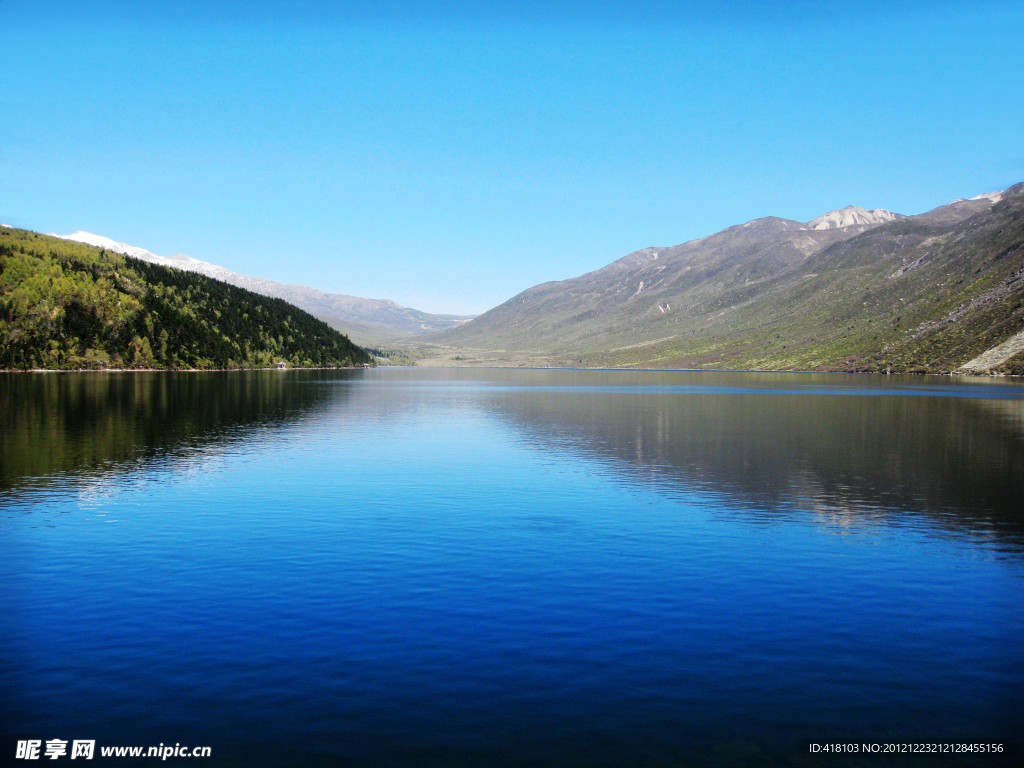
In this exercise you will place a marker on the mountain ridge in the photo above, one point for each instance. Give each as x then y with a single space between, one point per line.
709 302
366 321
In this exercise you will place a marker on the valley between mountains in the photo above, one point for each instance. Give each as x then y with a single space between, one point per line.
851 290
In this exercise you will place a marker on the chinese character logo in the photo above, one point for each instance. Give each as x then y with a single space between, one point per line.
82 749
55 748
28 750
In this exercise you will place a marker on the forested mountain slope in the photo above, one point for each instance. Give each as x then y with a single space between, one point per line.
68 305
920 293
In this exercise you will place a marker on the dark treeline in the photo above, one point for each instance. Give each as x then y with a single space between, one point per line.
65 305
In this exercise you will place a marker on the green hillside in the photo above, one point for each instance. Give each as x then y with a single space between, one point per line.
65 305
927 293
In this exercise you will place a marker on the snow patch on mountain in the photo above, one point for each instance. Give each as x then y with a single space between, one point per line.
178 260
851 216
992 197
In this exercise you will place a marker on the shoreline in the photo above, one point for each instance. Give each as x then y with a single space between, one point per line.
181 370
948 374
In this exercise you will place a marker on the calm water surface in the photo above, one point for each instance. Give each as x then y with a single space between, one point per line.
511 568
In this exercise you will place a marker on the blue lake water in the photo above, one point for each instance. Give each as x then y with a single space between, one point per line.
406 567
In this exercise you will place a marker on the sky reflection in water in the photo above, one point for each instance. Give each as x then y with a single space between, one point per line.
416 567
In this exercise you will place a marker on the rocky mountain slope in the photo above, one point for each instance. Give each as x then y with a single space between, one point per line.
851 216
365 321
850 290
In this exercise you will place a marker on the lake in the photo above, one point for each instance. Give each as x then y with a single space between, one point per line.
419 567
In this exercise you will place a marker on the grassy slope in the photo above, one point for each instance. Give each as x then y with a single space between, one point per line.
927 293
915 295
68 305
645 295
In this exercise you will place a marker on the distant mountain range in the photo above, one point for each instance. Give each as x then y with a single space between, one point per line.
849 290
369 322
852 289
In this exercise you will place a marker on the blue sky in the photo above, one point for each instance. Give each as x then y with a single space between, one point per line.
449 155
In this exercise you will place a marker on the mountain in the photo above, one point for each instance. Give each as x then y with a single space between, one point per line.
68 305
849 290
851 216
365 321
178 260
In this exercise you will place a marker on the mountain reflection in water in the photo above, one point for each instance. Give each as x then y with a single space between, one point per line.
416 567
877 454
72 426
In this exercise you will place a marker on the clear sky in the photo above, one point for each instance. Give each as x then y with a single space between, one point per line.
449 155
